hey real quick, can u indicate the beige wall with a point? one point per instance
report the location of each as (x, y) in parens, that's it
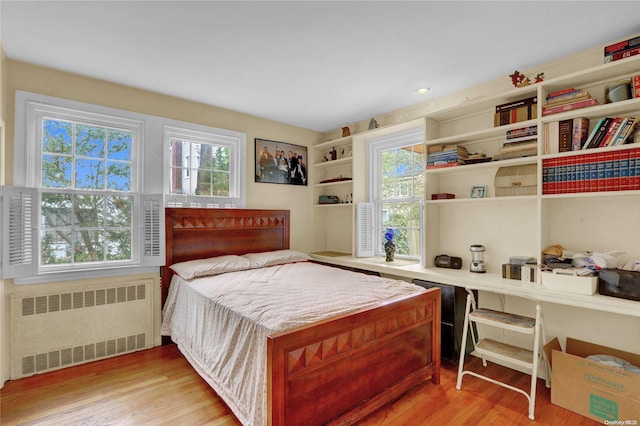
(17, 75)
(31, 78)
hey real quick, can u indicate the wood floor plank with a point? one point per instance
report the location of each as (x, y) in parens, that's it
(159, 387)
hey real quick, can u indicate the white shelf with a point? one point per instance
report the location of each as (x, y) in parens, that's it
(333, 163)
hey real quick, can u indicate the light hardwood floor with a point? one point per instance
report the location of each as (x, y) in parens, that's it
(159, 387)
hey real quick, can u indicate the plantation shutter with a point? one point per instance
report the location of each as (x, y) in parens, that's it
(153, 250)
(364, 229)
(19, 224)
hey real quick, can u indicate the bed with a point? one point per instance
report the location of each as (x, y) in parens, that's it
(319, 370)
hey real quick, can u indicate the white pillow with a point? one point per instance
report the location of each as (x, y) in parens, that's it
(211, 266)
(277, 257)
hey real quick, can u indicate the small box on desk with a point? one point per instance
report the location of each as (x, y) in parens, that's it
(569, 282)
(511, 272)
(593, 389)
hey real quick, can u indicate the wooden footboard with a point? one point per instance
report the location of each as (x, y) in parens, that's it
(344, 368)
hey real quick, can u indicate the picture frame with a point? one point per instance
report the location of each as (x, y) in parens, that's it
(281, 162)
(478, 191)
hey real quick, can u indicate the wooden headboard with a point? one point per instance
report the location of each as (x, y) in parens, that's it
(193, 233)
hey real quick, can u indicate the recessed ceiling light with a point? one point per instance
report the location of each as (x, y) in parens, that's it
(421, 90)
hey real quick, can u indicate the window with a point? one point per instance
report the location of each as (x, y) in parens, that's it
(205, 167)
(93, 182)
(397, 190)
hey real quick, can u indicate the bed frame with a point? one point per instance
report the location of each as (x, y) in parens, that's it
(335, 371)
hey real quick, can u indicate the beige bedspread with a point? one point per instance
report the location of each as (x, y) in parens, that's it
(221, 322)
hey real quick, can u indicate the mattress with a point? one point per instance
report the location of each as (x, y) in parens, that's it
(221, 323)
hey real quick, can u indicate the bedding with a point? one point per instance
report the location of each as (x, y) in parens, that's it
(221, 322)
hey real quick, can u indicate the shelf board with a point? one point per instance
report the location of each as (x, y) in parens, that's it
(341, 182)
(601, 194)
(481, 135)
(338, 162)
(482, 200)
(333, 206)
(472, 168)
(628, 107)
(483, 103)
(594, 75)
(335, 142)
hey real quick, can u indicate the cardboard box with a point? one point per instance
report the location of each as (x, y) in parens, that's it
(516, 180)
(592, 389)
(562, 280)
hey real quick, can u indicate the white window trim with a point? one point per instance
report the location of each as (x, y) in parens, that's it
(374, 148)
(149, 180)
(237, 144)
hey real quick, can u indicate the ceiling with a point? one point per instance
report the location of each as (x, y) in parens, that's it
(319, 65)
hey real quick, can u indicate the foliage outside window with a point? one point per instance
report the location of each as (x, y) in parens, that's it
(87, 202)
(396, 189)
(400, 202)
(199, 168)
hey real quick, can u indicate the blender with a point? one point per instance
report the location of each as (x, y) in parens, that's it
(477, 262)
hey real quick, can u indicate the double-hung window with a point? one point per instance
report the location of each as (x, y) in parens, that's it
(396, 190)
(205, 167)
(83, 165)
(90, 184)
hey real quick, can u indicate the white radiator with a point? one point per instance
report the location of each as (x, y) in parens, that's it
(57, 329)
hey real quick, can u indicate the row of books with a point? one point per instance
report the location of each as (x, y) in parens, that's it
(622, 50)
(566, 100)
(617, 170)
(565, 135)
(445, 156)
(612, 131)
(516, 111)
(522, 142)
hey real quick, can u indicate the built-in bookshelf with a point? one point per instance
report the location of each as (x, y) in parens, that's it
(517, 225)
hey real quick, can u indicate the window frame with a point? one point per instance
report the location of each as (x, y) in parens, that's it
(149, 181)
(375, 147)
(235, 141)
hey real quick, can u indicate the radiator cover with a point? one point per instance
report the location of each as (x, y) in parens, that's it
(64, 327)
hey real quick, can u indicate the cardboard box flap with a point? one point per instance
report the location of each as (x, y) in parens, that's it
(553, 345)
(585, 349)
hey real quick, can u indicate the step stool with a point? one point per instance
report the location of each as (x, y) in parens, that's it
(524, 358)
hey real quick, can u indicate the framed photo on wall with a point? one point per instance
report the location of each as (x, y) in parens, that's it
(281, 162)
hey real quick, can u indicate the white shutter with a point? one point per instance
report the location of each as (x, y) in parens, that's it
(152, 240)
(19, 223)
(364, 229)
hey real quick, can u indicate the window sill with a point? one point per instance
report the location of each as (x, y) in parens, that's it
(51, 277)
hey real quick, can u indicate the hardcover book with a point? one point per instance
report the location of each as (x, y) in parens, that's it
(580, 132)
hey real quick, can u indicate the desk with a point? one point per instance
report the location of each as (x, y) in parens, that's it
(485, 282)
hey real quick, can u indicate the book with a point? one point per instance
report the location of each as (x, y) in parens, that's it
(602, 131)
(517, 104)
(587, 143)
(611, 130)
(525, 146)
(622, 55)
(568, 107)
(635, 86)
(565, 130)
(551, 137)
(579, 133)
(568, 98)
(525, 131)
(513, 141)
(561, 92)
(515, 115)
(627, 130)
(622, 45)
